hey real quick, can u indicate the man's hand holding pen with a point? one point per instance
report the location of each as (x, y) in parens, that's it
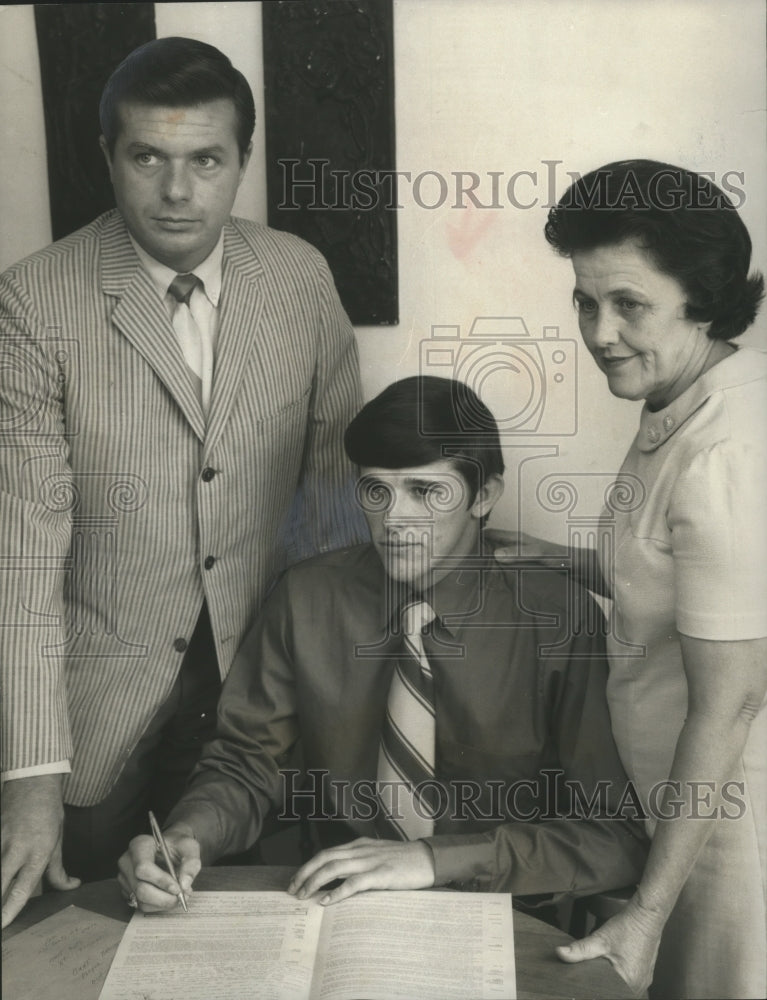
(150, 886)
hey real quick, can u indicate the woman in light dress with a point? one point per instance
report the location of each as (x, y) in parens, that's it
(662, 289)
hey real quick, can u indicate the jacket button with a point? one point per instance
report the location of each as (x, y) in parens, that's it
(209, 561)
(180, 645)
(208, 474)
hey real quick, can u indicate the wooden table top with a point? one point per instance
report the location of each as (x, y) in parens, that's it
(540, 974)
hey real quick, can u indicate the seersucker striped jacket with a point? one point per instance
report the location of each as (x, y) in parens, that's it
(114, 496)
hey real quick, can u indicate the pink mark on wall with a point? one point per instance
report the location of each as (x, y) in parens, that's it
(465, 235)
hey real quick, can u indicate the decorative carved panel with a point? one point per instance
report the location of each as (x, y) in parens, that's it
(80, 45)
(329, 80)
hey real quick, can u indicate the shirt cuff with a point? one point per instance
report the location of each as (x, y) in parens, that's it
(464, 860)
(205, 822)
(54, 767)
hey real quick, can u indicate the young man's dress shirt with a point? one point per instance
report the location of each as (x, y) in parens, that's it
(318, 664)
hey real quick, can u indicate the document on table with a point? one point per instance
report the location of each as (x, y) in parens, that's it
(424, 945)
(226, 944)
(380, 945)
(64, 957)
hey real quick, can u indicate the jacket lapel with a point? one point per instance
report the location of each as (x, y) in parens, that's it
(242, 302)
(140, 316)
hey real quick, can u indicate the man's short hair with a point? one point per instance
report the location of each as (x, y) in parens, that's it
(424, 419)
(177, 73)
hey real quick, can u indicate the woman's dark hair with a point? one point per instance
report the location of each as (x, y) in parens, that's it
(687, 225)
(177, 73)
(424, 419)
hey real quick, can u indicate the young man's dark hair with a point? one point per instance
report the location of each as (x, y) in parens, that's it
(424, 419)
(176, 73)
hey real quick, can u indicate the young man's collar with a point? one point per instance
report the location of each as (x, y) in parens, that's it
(454, 597)
(209, 271)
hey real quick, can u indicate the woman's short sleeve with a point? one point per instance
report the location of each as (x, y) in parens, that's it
(718, 527)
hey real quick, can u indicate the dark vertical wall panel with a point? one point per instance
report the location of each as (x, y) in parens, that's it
(80, 45)
(329, 79)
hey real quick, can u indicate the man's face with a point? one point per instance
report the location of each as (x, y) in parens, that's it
(421, 519)
(175, 173)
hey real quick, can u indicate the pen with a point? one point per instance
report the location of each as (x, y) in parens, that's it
(162, 847)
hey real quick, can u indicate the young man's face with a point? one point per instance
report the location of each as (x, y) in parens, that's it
(175, 173)
(421, 519)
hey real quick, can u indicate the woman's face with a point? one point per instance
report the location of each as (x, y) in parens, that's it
(632, 319)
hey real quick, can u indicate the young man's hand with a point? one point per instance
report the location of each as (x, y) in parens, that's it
(148, 886)
(365, 864)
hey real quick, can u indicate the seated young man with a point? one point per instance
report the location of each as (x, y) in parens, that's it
(452, 714)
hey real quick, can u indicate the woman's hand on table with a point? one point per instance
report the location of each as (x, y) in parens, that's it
(365, 864)
(148, 886)
(629, 941)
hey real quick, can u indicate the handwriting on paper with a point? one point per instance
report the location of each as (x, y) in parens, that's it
(65, 957)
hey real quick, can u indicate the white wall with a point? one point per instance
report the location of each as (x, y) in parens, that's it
(235, 28)
(490, 86)
(25, 222)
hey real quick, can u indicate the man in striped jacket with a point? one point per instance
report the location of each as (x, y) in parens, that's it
(175, 385)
